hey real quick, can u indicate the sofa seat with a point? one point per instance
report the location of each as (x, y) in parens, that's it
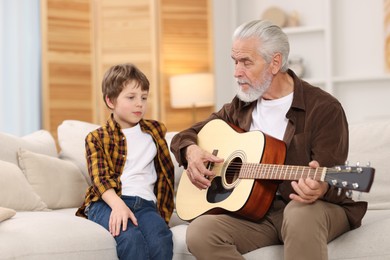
(358, 244)
(56, 234)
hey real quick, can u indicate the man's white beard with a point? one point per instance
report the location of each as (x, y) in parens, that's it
(254, 92)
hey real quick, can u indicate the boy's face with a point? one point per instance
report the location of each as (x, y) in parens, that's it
(130, 106)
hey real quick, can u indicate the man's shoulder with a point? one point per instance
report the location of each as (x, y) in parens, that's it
(316, 94)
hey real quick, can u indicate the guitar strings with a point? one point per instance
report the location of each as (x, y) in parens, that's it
(268, 172)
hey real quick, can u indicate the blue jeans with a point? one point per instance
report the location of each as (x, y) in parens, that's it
(151, 239)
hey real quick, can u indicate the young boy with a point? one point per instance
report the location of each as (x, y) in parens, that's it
(131, 170)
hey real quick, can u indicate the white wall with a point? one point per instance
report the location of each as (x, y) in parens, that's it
(359, 36)
(224, 13)
(353, 49)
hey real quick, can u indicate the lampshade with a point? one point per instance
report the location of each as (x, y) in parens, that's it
(192, 90)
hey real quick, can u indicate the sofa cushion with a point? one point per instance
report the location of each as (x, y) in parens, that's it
(15, 192)
(370, 241)
(370, 142)
(71, 139)
(40, 142)
(59, 183)
(6, 213)
(54, 235)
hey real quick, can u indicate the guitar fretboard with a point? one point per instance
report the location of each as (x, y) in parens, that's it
(280, 172)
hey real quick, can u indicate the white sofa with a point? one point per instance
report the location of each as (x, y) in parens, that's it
(42, 188)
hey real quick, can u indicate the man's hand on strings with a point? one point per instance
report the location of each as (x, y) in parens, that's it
(197, 172)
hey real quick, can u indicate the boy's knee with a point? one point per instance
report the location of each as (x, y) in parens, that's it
(162, 247)
(129, 242)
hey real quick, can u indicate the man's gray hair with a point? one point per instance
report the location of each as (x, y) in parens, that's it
(271, 37)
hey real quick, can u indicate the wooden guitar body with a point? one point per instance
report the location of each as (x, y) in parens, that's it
(249, 198)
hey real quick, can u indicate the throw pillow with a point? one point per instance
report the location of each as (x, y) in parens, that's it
(40, 142)
(370, 142)
(71, 139)
(15, 192)
(59, 183)
(6, 213)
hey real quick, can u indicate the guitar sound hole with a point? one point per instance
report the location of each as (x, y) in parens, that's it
(222, 186)
(216, 192)
(233, 170)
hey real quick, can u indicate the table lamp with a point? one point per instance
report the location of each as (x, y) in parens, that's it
(192, 91)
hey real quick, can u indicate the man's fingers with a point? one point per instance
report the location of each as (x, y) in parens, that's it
(198, 180)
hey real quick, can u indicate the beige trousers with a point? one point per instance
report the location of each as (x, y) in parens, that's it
(304, 229)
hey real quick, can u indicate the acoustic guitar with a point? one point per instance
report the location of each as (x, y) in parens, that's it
(246, 182)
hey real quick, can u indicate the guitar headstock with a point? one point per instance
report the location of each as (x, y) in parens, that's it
(351, 177)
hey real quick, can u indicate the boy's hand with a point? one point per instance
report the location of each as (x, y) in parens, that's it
(120, 215)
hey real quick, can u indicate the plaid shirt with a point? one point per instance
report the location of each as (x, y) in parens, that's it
(106, 153)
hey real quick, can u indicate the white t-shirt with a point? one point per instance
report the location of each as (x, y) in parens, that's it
(269, 116)
(139, 174)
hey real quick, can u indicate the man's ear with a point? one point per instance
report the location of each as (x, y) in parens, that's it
(276, 63)
(110, 104)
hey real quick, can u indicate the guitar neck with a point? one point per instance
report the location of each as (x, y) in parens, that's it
(280, 172)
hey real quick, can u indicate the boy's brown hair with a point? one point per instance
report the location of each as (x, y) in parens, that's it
(118, 76)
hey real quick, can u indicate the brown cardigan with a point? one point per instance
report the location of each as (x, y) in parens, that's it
(317, 130)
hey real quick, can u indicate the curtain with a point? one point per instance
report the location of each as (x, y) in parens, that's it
(20, 54)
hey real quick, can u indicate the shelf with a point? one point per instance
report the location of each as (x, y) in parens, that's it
(383, 77)
(315, 81)
(303, 29)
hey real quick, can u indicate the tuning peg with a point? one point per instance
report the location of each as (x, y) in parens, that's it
(348, 193)
(357, 164)
(346, 163)
(368, 164)
(338, 191)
